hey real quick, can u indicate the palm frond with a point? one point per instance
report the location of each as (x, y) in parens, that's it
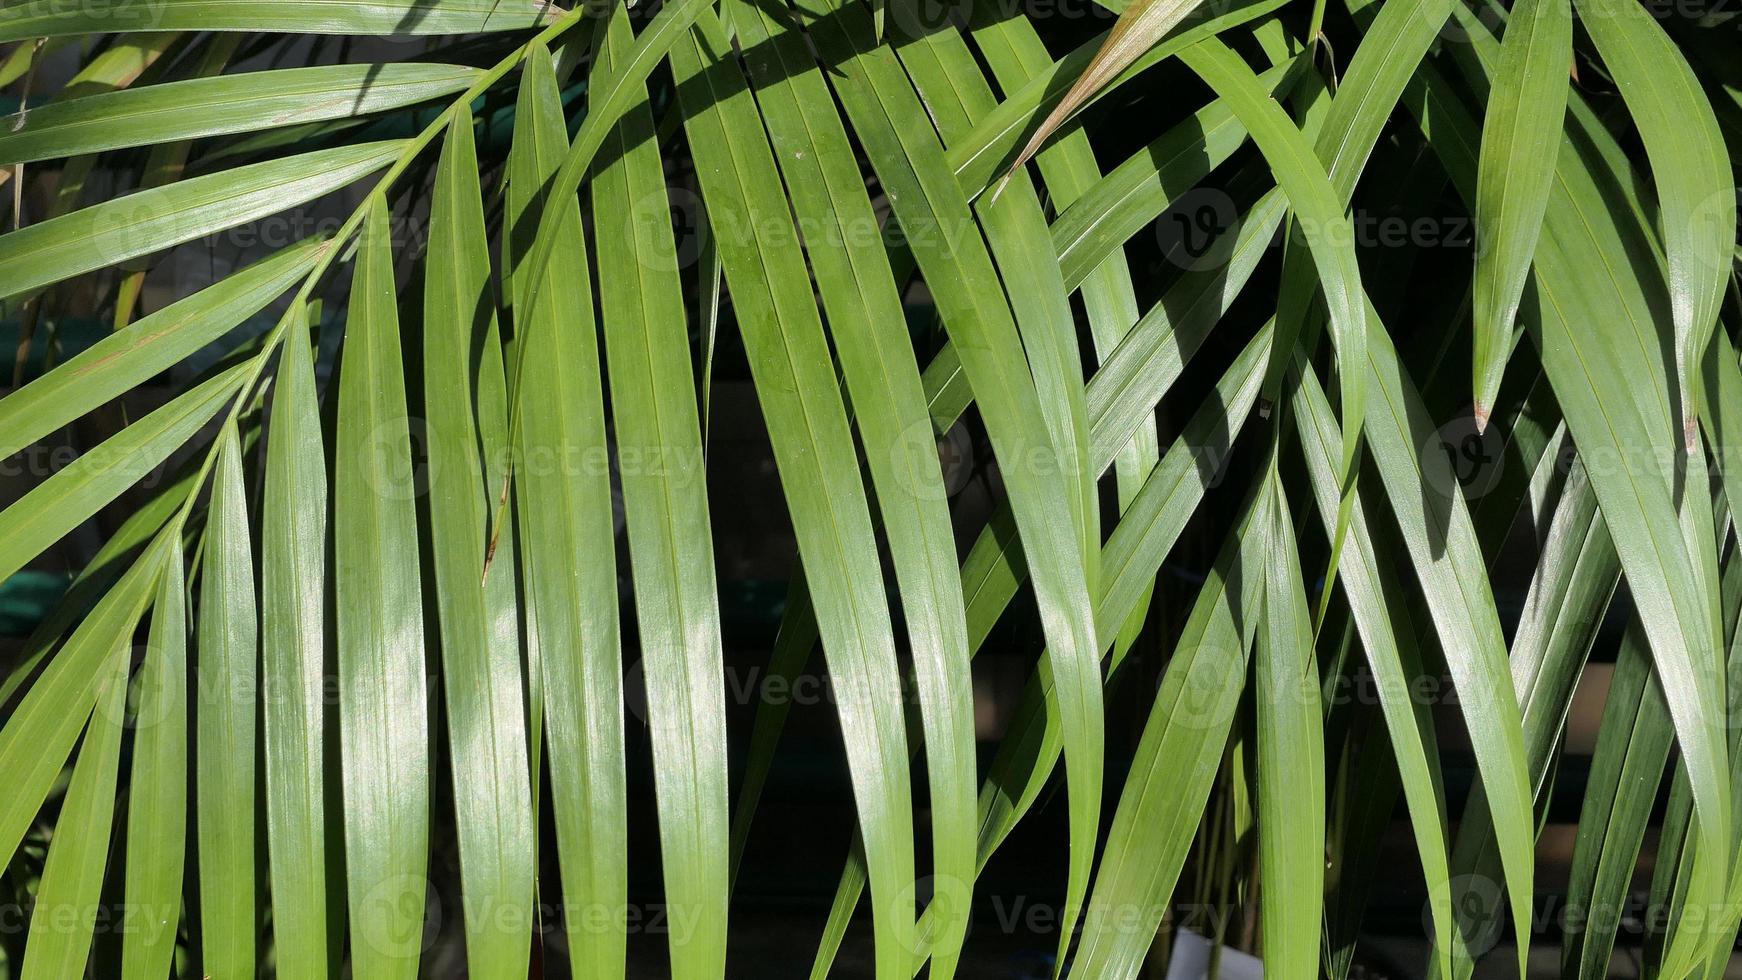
(1107, 420)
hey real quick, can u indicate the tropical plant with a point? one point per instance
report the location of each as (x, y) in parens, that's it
(426, 480)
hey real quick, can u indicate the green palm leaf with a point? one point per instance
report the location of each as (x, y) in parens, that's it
(51, 18)
(882, 378)
(568, 521)
(222, 105)
(157, 790)
(72, 876)
(1291, 828)
(874, 91)
(226, 720)
(666, 512)
(1520, 139)
(480, 667)
(1604, 417)
(40, 734)
(146, 347)
(1171, 773)
(1695, 187)
(69, 497)
(139, 224)
(784, 342)
(384, 725)
(293, 578)
(1004, 430)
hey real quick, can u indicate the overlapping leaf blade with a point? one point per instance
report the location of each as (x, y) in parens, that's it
(226, 718)
(567, 514)
(138, 224)
(383, 718)
(52, 18)
(72, 875)
(1319, 216)
(1696, 188)
(480, 667)
(70, 496)
(293, 637)
(916, 123)
(806, 419)
(1612, 386)
(1521, 136)
(877, 95)
(147, 346)
(40, 734)
(882, 376)
(664, 501)
(1140, 26)
(221, 105)
(1291, 779)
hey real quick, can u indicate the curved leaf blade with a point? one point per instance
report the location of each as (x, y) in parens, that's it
(865, 318)
(878, 96)
(383, 718)
(1139, 27)
(72, 876)
(568, 521)
(1320, 216)
(293, 635)
(1291, 767)
(481, 681)
(1690, 166)
(225, 715)
(157, 787)
(222, 105)
(65, 500)
(54, 18)
(1521, 138)
(38, 738)
(806, 418)
(151, 344)
(147, 221)
(665, 506)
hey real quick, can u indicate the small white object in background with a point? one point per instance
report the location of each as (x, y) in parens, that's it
(1191, 960)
